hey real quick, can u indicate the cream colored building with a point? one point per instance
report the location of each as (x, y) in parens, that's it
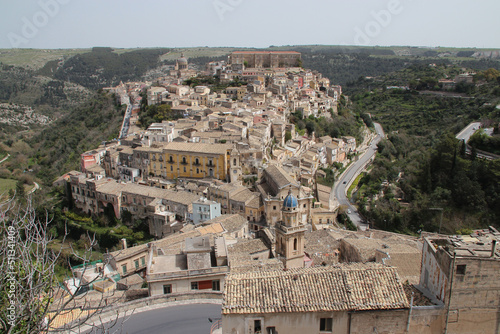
(188, 269)
(333, 299)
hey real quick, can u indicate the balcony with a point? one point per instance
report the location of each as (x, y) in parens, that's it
(286, 229)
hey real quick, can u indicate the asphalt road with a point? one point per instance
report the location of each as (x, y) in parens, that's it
(340, 188)
(126, 121)
(468, 131)
(181, 319)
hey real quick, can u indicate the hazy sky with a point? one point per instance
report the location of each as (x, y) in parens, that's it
(248, 23)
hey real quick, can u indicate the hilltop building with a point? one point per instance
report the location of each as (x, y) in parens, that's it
(258, 59)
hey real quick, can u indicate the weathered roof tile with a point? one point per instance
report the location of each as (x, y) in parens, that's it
(319, 289)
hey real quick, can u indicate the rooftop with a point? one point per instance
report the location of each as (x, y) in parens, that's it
(198, 148)
(231, 222)
(319, 289)
(279, 176)
(322, 247)
(479, 244)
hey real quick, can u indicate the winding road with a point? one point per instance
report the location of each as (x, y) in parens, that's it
(176, 319)
(347, 178)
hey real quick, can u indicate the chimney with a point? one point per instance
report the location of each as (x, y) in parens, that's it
(493, 248)
(124, 243)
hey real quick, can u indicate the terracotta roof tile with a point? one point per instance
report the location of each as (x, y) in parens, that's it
(319, 289)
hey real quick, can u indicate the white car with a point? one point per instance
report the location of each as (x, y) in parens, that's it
(348, 211)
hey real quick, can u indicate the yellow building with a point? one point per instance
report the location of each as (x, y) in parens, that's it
(191, 160)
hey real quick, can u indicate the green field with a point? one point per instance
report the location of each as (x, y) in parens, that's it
(35, 58)
(197, 52)
(6, 185)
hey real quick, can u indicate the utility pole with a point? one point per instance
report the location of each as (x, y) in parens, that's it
(441, 220)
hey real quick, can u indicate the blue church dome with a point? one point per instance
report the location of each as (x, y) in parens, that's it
(290, 201)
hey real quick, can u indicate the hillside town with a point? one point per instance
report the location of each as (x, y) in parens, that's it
(230, 195)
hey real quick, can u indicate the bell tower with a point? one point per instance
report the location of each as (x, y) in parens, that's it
(290, 233)
(234, 166)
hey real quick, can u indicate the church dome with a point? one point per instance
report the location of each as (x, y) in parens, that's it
(290, 201)
(182, 61)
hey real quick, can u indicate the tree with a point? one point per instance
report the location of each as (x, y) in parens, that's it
(31, 298)
(20, 193)
(288, 136)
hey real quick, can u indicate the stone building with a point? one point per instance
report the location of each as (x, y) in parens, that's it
(186, 160)
(290, 233)
(275, 185)
(188, 268)
(258, 59)
(333, 299)
(463, 272)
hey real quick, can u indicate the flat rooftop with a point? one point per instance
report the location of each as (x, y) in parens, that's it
(483, 243)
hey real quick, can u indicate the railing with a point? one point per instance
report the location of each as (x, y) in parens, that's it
(216, 325)
(116, 308)
(186, 273)
(291, 229)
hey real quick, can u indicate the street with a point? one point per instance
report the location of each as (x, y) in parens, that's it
(180, 319)
(341, 186)
(468, 131)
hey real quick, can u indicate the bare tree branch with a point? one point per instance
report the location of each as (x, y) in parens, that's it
(32, 300)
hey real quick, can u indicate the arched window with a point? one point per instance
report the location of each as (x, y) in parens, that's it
(295, 244)
(234, 162)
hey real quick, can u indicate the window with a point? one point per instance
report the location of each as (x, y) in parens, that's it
(143, 260)
(274, 207)
(194, 285)
(171, 159)
(325, 325)
(216, 285)
(295, 244)
(234, 162)
(197, 170)
(197, 161)
(124, 268)
(136, 263)
(184, 169)
(257, 326)
(183, 160)
(171, 168)
(461, 269)
(304, 205)
(271, 330)
(167, 288)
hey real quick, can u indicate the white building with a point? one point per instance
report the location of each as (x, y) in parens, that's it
(204, 209)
